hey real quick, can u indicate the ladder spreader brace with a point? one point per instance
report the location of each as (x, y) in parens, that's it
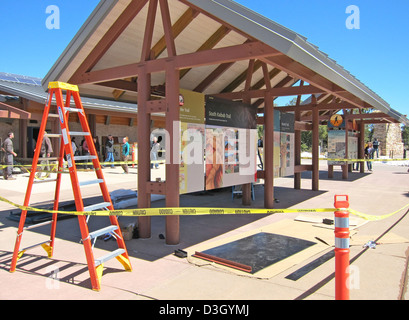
(95, 265)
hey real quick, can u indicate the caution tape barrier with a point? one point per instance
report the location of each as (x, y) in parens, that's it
(196, 211)
(77, 164)
(163, 162)
(356, 160)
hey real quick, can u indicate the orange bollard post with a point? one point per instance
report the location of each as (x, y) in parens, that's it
(341, 204)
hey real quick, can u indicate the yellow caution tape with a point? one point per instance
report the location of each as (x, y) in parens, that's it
(356, 160)
(169, 211)
(129, 162)
(373, 217)
(198, 211)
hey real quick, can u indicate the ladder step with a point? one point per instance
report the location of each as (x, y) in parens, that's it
(73, 109)
(102, 231)
(79, 133)
(53, 135)
(44, 180)
(35, 245)
(53, 115)
(109, 256)
(38, 225)
(97, 206)
(84, 157)
(86, 183)
(47, 159)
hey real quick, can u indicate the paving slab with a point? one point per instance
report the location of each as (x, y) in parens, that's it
(380, 273)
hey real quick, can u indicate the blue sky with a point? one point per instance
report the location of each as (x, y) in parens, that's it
(377, 53)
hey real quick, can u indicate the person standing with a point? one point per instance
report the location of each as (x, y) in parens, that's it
(45, 152)
(154, 152)
(97, 146)
(369, 151)
(125, 154)
(74, 147)
(109, 150)
(10, 154)
(85, 152)
(376, 147)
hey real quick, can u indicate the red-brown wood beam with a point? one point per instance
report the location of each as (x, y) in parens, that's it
(144, 173)
(315, 147)
(246, 199)
(188, 16)
(13, 112)
(268, 142)
(120, 85)
(259, 84)
(108, 39)
(302, 168)
(269, 151)
(213, 76)
(301, 125)
(309, 107)
(296, 69)
(172, 152)
(253, 50)
(365, 116)
(297, 142)
(361, 146)
(167, 27)
(160, 46)
(242, 77)
(286, 82)
(149, 27)
(210, 44)
(276, 92)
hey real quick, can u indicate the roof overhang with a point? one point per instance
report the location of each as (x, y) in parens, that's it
(9, 112)
(221, 48)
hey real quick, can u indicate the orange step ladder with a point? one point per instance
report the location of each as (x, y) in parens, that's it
(95, 265)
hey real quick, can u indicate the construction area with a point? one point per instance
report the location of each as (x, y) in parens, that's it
(380, 271)
(210, 197)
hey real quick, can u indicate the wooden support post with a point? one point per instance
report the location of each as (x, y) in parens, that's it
(172, 152)
(361, 146)
(345, 166)
(297, 152)
(297, 143)
(246, 188)
(330, 171)
(144, 171)
(315, 146)
(268, 151)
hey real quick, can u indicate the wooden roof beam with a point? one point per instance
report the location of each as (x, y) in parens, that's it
(7, 111)
(251, 50)
(109, 38)
(276, 92)
(298, 70)
(214, 39)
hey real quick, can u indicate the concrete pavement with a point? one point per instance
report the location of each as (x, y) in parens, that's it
(379, 273)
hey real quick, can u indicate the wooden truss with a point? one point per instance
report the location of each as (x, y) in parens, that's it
(326, 98)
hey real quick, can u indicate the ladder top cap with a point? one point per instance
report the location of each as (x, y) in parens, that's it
(62, 85)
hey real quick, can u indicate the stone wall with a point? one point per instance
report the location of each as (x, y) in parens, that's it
(390, 138)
